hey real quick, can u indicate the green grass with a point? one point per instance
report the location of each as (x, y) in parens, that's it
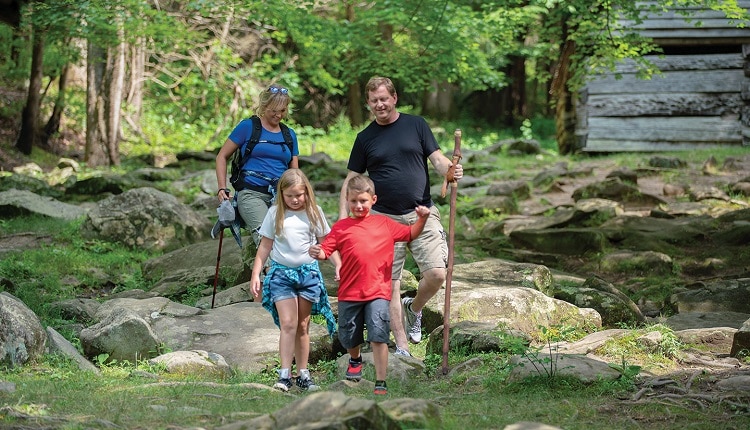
(55, 392)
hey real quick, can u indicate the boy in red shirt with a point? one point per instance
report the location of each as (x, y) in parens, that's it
(365, 243)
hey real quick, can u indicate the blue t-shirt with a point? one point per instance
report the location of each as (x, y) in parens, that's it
(270, 157)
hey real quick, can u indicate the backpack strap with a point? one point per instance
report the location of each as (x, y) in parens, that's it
(254, 139)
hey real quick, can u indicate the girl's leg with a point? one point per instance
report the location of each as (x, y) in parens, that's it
(287, 310)
(302, 339)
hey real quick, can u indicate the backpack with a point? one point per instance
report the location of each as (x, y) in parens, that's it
(238, 160)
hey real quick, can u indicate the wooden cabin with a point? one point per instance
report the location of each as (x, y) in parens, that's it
(701, 99)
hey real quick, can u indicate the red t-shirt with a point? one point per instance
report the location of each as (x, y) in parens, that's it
(366, 248)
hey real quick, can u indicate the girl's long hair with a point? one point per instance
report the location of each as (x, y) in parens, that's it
(290, 178)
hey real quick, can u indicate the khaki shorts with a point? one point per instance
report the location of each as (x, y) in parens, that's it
(429, 249)
(253, 206)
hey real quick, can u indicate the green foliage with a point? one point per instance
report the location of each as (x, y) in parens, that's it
(669, 346)
(72, 267)
(628, 371)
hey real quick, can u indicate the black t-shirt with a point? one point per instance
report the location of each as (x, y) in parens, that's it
(395, 158)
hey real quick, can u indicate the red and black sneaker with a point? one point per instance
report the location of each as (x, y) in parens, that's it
(354, 371)
(380, 388)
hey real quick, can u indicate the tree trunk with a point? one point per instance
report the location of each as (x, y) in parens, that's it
(104, 91)
(27, 137)
(53, 124)
(114, 100)
(354, 93)
(94, 154)
(134, 98)
(565, 118)
(354, 98)
(439, 103)
(517, 74)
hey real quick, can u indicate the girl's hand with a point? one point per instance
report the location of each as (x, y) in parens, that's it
(255, 286)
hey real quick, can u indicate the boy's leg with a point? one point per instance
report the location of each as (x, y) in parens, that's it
(380, 356)
(351, 335)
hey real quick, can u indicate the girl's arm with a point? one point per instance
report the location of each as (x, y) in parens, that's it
(264, 250)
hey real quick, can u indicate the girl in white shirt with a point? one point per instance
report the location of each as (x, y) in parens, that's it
(293, 287)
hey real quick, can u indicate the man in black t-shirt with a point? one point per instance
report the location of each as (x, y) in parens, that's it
(394, 150)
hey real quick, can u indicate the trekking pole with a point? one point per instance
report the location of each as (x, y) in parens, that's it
(449, 178)
(218, 259)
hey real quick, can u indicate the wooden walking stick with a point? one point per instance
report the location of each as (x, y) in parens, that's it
(449, 178)
(218, 259)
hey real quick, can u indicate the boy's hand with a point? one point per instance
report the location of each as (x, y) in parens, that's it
(422, 211)
(314, 251)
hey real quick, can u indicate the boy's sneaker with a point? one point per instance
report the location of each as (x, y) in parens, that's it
(354, 371)
(307, 384)
(402, 351)
(380, 388)
(283, 384)
(413, 324)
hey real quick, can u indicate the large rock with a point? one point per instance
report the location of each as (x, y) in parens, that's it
(15, 203)
(22, 337)
(335, 410)
(721, 296)
(243, 333)
(741, 341)
(146, 218)
(121, 336)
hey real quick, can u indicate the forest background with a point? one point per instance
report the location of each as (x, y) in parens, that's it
(112, 79)
(106, 82)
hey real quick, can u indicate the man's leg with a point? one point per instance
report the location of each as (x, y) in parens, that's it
(397, 319)
(430, 251)
(431, 282)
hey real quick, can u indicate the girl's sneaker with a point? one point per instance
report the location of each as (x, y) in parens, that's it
(283, 384)
(307, 384)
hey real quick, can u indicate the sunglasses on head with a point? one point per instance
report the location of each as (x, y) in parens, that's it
(276, 90)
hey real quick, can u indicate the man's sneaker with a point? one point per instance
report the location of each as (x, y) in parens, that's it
(354, 371)
(402, 351)
(307, 384)
(283, 384)
(380, 388)
(413, 324)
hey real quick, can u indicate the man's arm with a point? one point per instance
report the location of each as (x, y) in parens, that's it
(441, 163)
(343, 205)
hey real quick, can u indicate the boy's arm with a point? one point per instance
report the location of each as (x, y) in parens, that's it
(336, 260)
(316, 252)
(416, 229)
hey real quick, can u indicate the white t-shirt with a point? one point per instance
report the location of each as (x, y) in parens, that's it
(290, 249)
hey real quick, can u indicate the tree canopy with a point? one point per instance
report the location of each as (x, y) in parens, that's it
(191, 68)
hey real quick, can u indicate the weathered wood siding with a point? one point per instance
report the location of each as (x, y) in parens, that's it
(700, 100)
